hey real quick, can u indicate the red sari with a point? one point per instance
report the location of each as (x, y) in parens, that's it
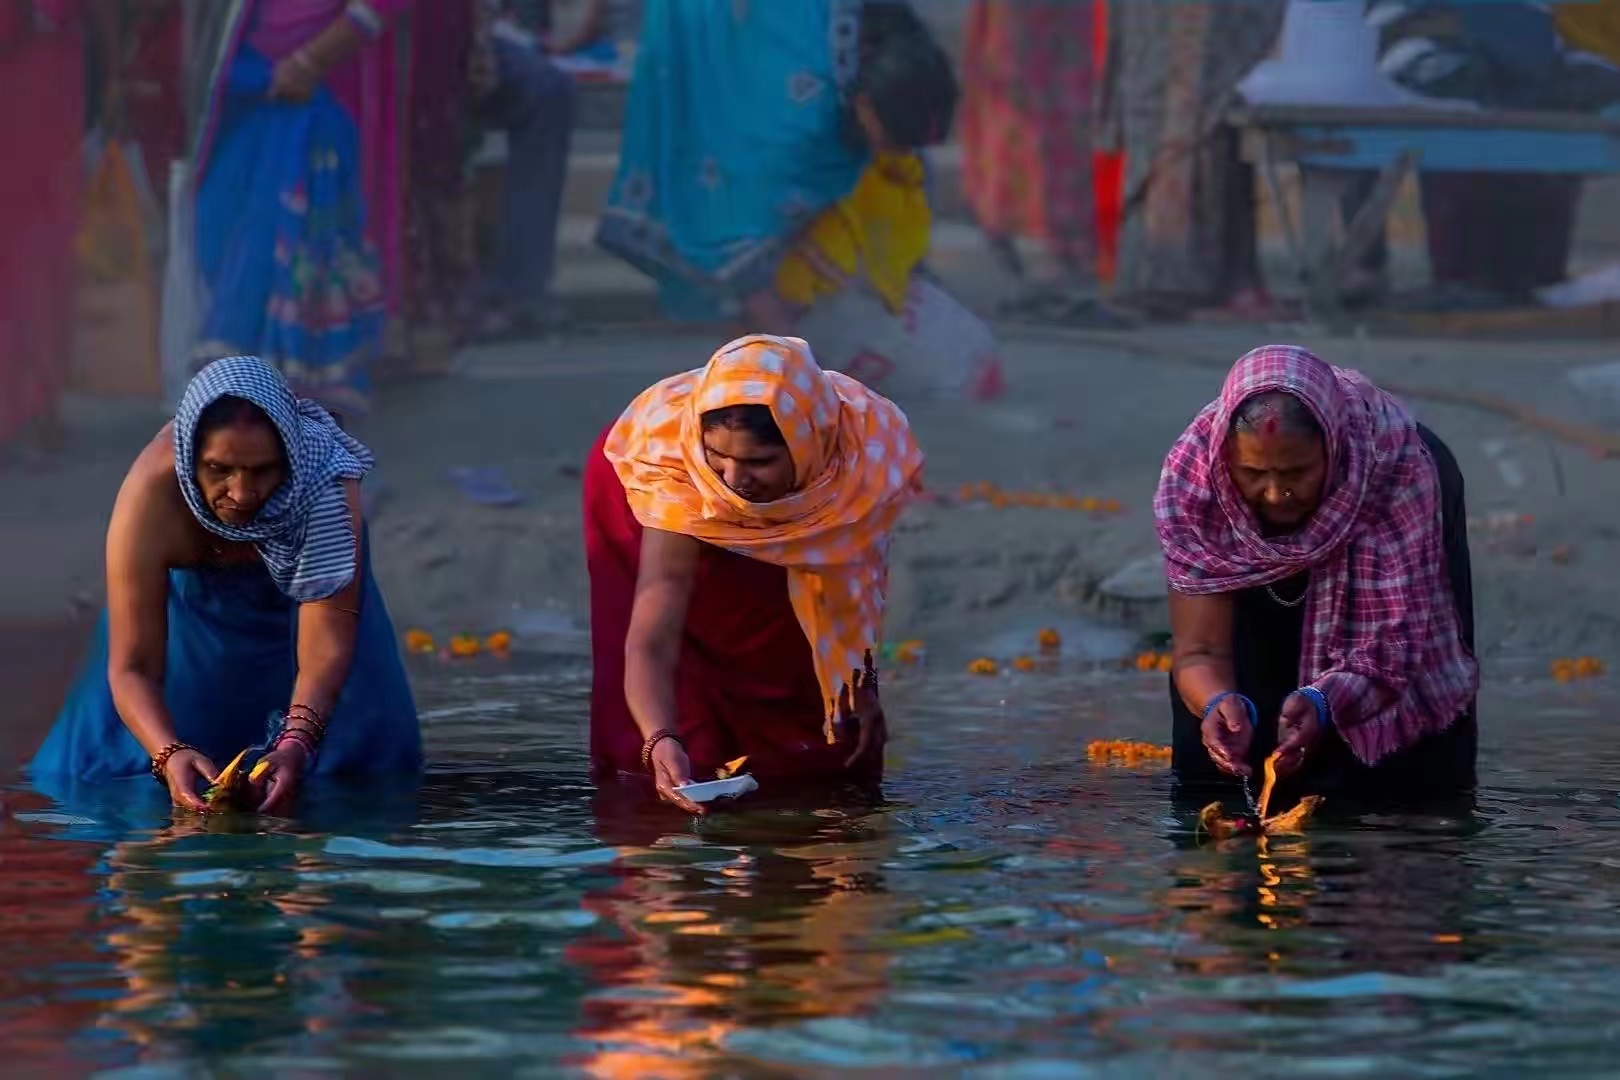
(745, 682)
(42, 64)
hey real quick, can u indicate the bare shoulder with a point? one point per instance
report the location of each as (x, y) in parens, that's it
(149, 507)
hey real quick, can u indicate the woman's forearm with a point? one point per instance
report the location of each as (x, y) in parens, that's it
(325, 654)
(139, 700)
(1200, 677)
(649, 687)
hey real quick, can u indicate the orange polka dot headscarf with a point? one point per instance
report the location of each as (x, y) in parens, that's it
(855, 466)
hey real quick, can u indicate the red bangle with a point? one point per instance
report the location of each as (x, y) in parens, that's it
(652, 742)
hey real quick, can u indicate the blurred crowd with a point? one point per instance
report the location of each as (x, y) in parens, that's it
(301, 179)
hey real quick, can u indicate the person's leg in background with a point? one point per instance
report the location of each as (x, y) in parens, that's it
(533, 101)
(1531, 233)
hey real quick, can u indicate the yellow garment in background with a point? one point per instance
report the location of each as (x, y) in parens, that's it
(879, 230)
(1591, 26)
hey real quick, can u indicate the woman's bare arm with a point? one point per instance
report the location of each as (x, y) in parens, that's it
(327, 630)
(1201, 637)
(138, 550)
(657, 619)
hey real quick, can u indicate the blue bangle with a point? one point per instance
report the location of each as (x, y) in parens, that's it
(1324, 715)
(1248, 706)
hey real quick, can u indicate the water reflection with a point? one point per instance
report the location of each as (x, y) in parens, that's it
(767, 918)
(1006, 904)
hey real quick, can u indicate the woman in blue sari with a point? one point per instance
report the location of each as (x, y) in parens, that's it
(241, 609)
(759, 131)
(298, 175)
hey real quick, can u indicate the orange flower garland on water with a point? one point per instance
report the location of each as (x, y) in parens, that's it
(1570, 669)
(1153, 661)
(1126, 752)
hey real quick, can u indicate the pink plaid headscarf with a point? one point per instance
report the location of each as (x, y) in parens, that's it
(1388, 653)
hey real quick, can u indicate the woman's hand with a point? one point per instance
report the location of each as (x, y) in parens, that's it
(860, 708)
(1298, 728)
(296, 78)
(1227, 734)
(670, 770)
(284, 776)
(183, 772)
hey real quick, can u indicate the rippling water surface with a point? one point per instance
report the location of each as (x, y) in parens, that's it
(1008, 910)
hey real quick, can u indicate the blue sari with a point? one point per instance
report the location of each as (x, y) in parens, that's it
(281, 247)
(231, 664)
(733, 141)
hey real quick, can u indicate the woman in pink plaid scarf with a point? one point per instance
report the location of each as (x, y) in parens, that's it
(1321, 600)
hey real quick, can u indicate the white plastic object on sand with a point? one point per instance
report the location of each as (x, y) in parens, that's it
(710, 790)
(934, 348)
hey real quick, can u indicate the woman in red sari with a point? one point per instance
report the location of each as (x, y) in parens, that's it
(737, 525)
(42, 64)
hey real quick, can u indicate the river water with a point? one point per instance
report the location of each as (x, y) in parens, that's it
(1009, 909)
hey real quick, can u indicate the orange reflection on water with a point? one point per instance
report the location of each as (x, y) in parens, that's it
(686, 956)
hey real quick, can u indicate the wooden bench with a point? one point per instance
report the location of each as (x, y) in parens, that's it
(1331, 145)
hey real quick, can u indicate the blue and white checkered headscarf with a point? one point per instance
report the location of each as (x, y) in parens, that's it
(303, 532)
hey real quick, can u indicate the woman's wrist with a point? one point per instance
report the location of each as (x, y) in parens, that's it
(1248, 706)
(161, 759)
(654, 741)
(1324, 712)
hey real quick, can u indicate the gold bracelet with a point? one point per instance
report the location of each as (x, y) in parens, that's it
(160, 760)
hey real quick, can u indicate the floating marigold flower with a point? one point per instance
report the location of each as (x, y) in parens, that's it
(1563, 670)
(1090, 504)
(1587, 667)
(499, 642)
(418, 641)
(984, 666)
(909, 652)
(1126, 752)
(1024, 663)
(464, 645)
(1165, 662)
(1146, 661)
(1048, 638)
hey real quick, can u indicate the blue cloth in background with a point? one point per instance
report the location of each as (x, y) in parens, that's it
(733, 141)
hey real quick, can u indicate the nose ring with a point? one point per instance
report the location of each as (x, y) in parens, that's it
(1288, 493)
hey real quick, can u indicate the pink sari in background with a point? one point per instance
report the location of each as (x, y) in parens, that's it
(369, 83)
(42, 64)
